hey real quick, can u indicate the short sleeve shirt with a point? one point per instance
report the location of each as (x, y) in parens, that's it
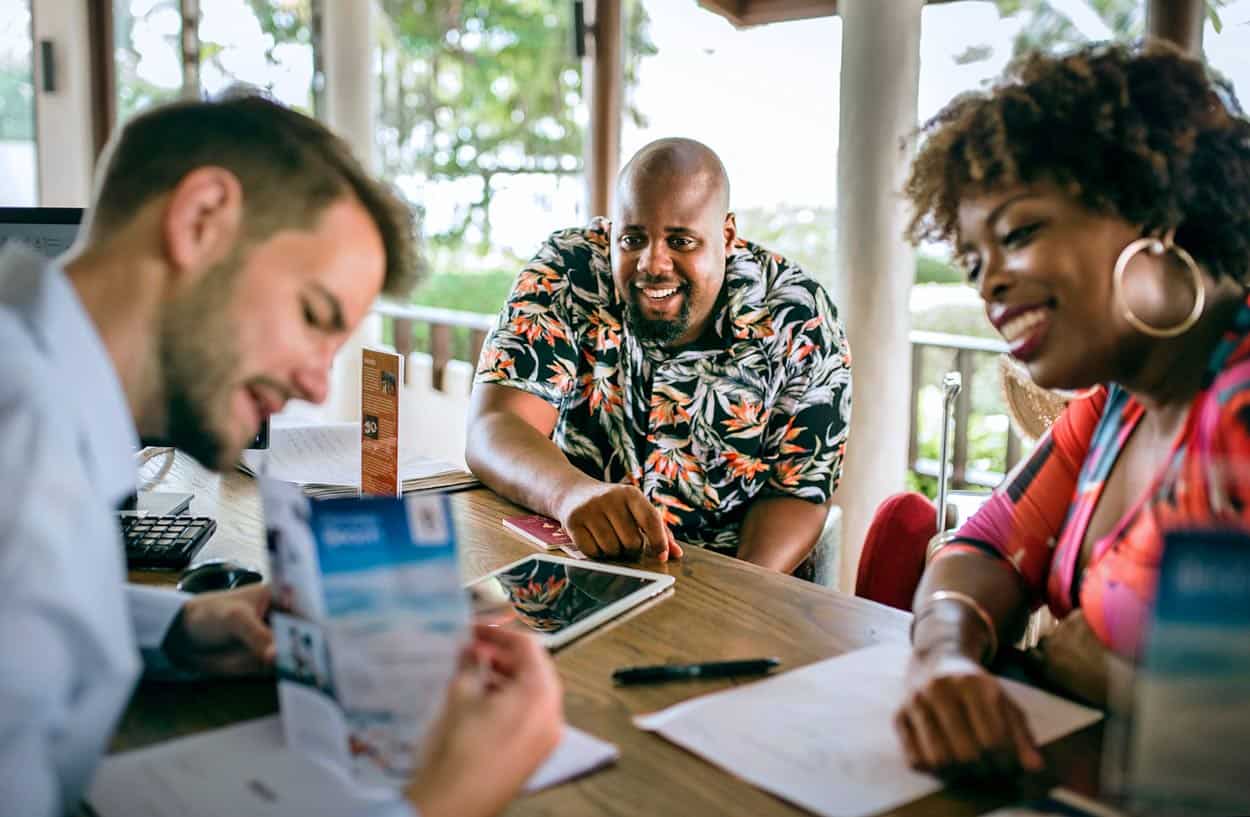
(760, 410)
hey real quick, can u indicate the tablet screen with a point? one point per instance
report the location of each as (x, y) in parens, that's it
(549, 597)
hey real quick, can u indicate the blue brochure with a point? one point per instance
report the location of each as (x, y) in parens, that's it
(1185, 746)
(371, 617)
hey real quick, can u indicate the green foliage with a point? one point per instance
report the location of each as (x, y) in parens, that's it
(930, 270)
(1050, 29)
(477, 89)
(133, 93)
(17, 109)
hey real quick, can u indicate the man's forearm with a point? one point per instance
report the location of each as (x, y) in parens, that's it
(516, 461)
(779, 532)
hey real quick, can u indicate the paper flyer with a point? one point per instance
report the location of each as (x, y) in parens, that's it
(370, 621)
(381, 374)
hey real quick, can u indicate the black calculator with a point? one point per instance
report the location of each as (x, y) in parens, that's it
(165, 542)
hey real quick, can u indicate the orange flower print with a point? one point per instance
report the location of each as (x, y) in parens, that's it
(563, 376)
(600, 389)
(668, 406)
(746, 420)
(496, 365)
(755, 324)
(671, 460)
(791, 433)
(744, 466)
(787, 473)
(669, 504)
(605, 330)
(537, 278)
(534, 322)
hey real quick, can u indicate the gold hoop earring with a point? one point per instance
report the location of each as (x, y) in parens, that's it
(1158, 247)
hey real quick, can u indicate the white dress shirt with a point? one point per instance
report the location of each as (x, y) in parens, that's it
(71, 630)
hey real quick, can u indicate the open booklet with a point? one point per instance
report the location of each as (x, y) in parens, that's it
(370, 619)
(325, 461)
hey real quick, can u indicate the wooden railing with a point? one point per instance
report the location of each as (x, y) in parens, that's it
(443, 324)
(968, 353)
(448, 329)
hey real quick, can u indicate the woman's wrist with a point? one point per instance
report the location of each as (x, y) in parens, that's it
(947, 626)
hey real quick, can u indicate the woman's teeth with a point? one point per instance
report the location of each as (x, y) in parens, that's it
(1021, 325)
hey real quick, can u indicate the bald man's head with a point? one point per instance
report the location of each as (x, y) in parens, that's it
(671, 233)
(685, 161)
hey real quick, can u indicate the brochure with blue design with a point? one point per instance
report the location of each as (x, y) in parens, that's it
(370, 621)
(1183, 750)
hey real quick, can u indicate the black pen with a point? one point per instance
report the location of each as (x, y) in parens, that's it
(680, 672)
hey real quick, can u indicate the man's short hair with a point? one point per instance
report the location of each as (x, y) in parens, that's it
(290, 167)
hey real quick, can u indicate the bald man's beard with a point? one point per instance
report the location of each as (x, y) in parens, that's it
(656, 330)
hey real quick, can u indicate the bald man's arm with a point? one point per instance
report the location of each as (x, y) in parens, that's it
(780, 531)
(510, 449)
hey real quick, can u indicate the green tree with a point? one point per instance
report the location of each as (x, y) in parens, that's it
(1055, 25)
(475, 90)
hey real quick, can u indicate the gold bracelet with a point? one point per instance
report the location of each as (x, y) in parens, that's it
(968, 601)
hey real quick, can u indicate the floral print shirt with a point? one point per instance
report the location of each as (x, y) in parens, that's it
(762, 410)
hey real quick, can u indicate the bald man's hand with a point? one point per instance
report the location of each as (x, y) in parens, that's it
(612, 521)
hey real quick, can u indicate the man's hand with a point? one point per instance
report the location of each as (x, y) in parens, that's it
(223, 633)
(503, 716)
(612, 521)
(958, 721)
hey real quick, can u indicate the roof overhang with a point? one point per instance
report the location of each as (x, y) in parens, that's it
(746, 13)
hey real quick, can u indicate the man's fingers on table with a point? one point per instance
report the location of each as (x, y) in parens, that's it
(585, 541)
(647, 518)
(626, 530)
(605, 537)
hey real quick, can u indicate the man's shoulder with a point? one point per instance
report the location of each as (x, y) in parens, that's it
(578, 246)
(789, 293)
(576, 261)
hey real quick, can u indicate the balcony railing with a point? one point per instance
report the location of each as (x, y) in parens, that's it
(448, 335)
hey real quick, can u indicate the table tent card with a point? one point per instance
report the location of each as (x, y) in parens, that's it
(369, 623)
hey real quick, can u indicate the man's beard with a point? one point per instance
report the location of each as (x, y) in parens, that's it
(657, 330)
(198, 363)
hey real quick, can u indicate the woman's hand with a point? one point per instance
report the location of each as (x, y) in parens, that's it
(957, 721)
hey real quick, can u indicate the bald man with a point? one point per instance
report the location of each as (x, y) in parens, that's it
(657, 380)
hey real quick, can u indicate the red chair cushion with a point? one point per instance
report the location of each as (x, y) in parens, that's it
(893, 556)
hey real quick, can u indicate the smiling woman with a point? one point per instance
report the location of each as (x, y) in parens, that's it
(1100, 202)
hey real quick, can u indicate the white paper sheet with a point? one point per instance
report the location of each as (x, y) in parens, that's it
(247, 769)
(327, 455)
(822, 736)
(325, 460)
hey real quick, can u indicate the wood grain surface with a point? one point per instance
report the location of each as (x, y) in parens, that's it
(719, 608)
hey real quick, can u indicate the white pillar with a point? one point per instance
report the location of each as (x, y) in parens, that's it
(879, 86)
(347, 57)
(66, 153)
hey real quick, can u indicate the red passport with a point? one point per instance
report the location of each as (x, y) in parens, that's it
(541, 531)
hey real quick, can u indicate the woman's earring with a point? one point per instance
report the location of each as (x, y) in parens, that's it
(1158, 247)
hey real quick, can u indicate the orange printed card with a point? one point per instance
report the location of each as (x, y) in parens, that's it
(381, 374)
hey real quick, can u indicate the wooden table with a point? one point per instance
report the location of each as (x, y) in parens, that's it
(720, 608)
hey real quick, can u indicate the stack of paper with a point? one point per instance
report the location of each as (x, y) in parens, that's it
(823, 737)
(325, 461)
(246, 769)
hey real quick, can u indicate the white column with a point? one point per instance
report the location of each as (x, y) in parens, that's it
(63, 115)
(347, 57)
(880, 75)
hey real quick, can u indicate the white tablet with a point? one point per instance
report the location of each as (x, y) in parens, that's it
(560, 599)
